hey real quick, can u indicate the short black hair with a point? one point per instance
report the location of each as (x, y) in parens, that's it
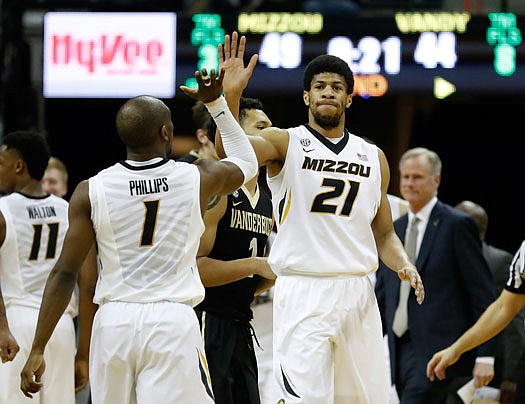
(247, 104)
(203, 120)
(328, 64)
(140, 119)
(33, 148)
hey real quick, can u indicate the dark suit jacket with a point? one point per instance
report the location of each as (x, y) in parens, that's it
(458, 288)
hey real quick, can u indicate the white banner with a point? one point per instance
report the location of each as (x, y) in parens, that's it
(109, 54)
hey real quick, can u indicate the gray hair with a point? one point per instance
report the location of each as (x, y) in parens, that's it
(432, 158)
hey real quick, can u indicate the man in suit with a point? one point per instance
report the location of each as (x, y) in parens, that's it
(513, 336)
(446, 248)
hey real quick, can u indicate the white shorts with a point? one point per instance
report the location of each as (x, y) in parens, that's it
(328, 342)
(59, 377)
(148, 353)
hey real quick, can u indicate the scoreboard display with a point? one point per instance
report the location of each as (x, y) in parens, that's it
(439, 53)
(119, 54)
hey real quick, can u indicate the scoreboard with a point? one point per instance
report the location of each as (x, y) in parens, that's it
(438, 53)
(119, 54)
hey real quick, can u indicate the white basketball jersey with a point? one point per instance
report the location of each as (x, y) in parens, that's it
(35, 230)
(148, 224)
(325, 199)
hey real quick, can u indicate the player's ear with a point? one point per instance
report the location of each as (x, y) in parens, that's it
(202, 136)
(165, 133)
(349, 99)
(306, 98)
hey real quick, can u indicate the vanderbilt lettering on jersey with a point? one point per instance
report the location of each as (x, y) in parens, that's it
(332, 166)
(251, 221)
(149, 186)
(40, 212)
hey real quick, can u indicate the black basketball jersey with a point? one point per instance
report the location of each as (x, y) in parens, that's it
(241, 233)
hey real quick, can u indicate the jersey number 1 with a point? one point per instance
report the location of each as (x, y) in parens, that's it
(150, 221)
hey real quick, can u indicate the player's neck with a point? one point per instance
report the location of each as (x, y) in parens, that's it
(31, 188)
(335, 132)
(251, 185)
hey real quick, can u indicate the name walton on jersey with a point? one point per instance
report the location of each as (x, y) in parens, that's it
(40, 212)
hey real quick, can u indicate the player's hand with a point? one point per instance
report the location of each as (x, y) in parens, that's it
(8, 346)
(482, 374)
(264, 269)
(31, 375)
(81, 374)
(411, 275)
(210, 86)
(440, 362)
(231, 59)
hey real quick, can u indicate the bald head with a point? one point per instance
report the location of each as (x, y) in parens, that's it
(140, 121)
(477, 213)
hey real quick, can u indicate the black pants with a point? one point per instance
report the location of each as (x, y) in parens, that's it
(231, 359)
(412, 385)
(520, 378)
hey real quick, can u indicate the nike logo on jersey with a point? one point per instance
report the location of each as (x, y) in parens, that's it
(219, 114)
(237, 203)
(308, 151)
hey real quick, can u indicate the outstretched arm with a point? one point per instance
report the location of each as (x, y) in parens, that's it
(270, 144)
(236, 75)
(60, 285)
(236, 145)
(389, 246)
(491, 322)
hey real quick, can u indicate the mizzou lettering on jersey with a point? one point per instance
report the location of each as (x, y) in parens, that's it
(150, 186)
(332, 166)
(250, 221)
(40, 212)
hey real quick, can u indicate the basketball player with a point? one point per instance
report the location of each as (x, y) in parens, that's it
(237, 230)
(145, 215)
(32, 229)
(329, 193)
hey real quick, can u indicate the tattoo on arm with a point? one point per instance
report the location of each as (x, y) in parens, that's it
(213, 202)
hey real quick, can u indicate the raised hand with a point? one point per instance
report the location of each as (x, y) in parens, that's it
(210, 86)
(231, 59)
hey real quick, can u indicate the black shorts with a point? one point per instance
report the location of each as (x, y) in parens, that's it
(231, 359)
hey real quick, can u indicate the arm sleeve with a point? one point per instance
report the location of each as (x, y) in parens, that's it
(235, 142)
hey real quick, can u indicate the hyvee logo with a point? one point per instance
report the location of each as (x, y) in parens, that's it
(106, 50)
